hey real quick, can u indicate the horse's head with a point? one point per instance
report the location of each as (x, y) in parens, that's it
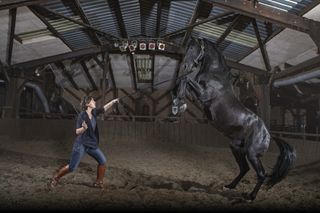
(193, 55)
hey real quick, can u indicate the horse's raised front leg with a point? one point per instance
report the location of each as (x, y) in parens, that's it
(240, 157)
(179, 94)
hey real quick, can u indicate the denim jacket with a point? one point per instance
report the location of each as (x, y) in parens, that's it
(90, 137)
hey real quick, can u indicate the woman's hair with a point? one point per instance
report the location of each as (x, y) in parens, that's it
(85, 100)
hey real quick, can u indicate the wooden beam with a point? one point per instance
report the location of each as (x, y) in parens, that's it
(276, 32)
(127, 107)
(228, 30)
(128, 95)
(115, 6)
(152, 72)
(10, 4)
(109, 36)
(23, 66)
(67, 75)
(112, 78)
(73, 94)
(246, 68)
(85, 19)
(88, 75)
(299, 68)
(100, 96)
(134, 78)
(4, 70)
(105, 70)
(163, 108)
(11, 26)
(196, 24)
(261, 45)
(37, 12)
(159, 12)
(278, 17)
(163, 95)
(192, 21)
(149, 96)
(194, 104)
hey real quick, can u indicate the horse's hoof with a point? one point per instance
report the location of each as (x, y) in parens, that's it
(227, 188)
(248, 197)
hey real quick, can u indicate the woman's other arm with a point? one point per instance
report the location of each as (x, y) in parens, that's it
(82, 129)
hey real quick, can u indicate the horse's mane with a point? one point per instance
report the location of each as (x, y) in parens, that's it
(211, 51)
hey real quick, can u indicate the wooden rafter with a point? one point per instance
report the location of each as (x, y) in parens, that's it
(37, 11)
(228, 30)
(107, 35)
(197, 23)
(12, 25)
(159, 12)
(192, 21)
(261, 45)
(85, 19)
(67, 74)
(115, 6)
(88, 75)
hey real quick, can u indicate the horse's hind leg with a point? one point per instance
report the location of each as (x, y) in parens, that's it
(240, 157)
(255, 161)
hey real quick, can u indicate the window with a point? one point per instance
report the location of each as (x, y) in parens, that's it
(144, 68)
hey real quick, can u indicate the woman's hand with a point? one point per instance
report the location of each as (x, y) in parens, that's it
(84, 125)
(82, 129)
(115, 100)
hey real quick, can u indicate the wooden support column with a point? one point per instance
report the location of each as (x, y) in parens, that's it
(12, 26)
(311, 115)
(11, 108)
(104, 77)
(264, 108)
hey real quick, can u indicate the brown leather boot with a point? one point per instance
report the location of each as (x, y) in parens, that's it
(54, 181)
(100, 175)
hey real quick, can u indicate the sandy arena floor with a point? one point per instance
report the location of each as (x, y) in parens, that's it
(144, 175)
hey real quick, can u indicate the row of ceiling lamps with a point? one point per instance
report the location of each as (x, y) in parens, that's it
(133, 45)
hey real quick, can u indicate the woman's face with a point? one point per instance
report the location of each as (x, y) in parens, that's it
(92, 104)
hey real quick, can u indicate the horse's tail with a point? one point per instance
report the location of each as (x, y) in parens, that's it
(284, 164)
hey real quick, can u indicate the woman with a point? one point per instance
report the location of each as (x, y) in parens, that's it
(87, 141)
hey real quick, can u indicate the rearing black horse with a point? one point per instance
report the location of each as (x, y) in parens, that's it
(210, 84)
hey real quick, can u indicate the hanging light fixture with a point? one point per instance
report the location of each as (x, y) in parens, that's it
(142, 45)
(124, 45)
(161, 45)
(133, 45)
(151, 45)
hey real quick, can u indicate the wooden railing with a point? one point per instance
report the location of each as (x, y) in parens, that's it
(297, 135)
(106, 117)
(39, 115)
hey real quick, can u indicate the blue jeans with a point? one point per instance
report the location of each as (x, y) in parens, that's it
(78, 152)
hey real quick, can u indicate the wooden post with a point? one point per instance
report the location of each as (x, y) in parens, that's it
(11, 108)
(104, 77)
(263, 93)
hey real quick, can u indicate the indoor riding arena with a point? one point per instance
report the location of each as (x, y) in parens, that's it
(160, 105)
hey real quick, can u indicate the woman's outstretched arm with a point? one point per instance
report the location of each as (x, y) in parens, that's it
(109, 104)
